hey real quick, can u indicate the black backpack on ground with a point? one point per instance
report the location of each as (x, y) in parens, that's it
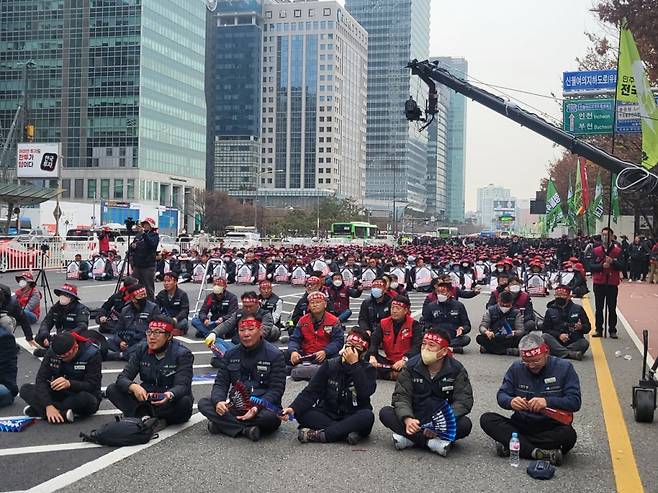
(123, 432)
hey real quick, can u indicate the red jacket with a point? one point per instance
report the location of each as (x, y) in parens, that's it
(601, 275)
(396, 347)
(23, 297)
(316, 340)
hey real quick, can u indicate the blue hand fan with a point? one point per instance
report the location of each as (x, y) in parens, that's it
(15, 424)
(264, 403)
(443, 423)
(204, 377)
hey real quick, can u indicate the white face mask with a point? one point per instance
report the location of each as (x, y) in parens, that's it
(218, 289)
(64, 300)
(441, 298)
(22, 283)
(394, 285)
(500, 269)
(504, 309)
(515, 288)
(338, 283)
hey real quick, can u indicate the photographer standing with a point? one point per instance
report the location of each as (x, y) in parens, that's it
(143, 249)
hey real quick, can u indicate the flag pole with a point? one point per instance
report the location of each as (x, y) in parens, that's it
(612, 151)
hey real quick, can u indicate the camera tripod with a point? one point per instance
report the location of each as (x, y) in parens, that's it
(45, 285)
(126, 262)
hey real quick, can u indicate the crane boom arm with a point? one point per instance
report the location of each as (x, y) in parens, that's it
(430, 73)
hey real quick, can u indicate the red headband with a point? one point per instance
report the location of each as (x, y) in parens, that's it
(378, 283)
(317, 296)
(444, 343)
(529, 353)
(250, 323)
(138, 292)
(357, 339)
(399, 303)
(249, 299)
(265, 284)
(167, 327)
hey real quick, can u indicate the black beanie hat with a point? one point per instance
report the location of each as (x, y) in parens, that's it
(62, 343)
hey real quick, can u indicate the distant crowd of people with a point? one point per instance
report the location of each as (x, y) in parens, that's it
(139, 326)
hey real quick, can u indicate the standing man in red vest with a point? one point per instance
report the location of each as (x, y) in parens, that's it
(399, 335)
(318, 336)
(605, 268)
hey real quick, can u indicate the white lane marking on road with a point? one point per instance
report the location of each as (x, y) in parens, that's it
(106, 371)
(102, 412)
(46, 448)
(110, 458)
(188, 341)
(633, 336)
(197, 382)
(201, 352)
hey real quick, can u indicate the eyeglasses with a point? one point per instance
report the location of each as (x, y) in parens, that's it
(155, 332)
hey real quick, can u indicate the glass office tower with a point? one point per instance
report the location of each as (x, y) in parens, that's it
(120, 83)
(456, 169)
(396, 163)
(233, 87)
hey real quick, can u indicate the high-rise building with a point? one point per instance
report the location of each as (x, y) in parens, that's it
(437, 150)
(396, 170)
(487, 198)
(120, 83)
(234, 41)
(313, 103)
(455, 166)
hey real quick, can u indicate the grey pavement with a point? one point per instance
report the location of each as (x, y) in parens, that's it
(193, 460)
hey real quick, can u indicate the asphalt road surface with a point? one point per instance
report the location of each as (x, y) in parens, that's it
(187, 458)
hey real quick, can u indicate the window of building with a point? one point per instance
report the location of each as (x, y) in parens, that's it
(122, 151)
(268, 14)
(66, 185)
(311, 12)
(320, 180)
(91, 189)
(328, 180)
(326, 11)
(105, 188)
(79, 188)
(122, 162)
(282, 14)
(108, 152)
(130, 188)
(118, 189)
(297, 13)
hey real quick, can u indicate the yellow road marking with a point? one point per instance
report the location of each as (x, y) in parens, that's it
(627, 476)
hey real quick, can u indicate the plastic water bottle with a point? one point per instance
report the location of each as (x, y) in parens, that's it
(514, 448)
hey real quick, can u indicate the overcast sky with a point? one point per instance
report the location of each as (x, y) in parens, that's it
(524, 44)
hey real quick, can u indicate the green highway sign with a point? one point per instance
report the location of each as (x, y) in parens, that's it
(588, 116)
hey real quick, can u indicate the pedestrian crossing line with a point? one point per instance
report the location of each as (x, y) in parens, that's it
(106, 371)
(624, 465)
(201, 352)
(110, 458)
(47, 448)
(196, 382)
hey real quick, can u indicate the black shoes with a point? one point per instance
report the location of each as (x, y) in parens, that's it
(252, 433)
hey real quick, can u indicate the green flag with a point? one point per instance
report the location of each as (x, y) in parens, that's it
(615, 199)
(571, 206)
(553, 207)
(633, 87)
(595, 210)
(578, 193)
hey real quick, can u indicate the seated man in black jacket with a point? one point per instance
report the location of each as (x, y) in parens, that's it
(260, 367)
(132, 325)
(108, 314)
(424, 384)
(8, 367)
(375, 307)
(174, 302)
(68, 382)
(450, 315)
(67, 315)
(165, 372)
(335, 405)
(565, 326)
